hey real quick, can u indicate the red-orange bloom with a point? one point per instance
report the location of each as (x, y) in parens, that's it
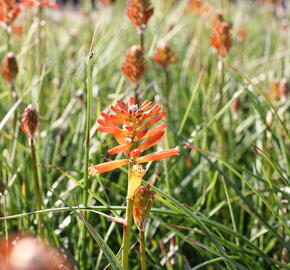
(29, 121)
(134, 64)
(221, 38)
(9, 67)
(164, 56)
(139, 12)
(131, 128)
(40, 3)
(9, 11)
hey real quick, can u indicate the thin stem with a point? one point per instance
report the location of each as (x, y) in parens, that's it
(127, 228)
(142, 250)
(87, 152)
(7, 38)
(37, 187)
(141, 35)
(39, 37)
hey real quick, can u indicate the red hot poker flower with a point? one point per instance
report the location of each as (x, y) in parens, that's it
(40, 3)
(29, 121)
(221, 38)
(131, 128)
(164, 56)
(9, 11)
(139, 13)
(134, 64)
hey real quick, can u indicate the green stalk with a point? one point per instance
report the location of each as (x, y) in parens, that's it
(37, 187)
(7, 39)
(142, 250)
(127, 228)
(87, 152)
(141, 35)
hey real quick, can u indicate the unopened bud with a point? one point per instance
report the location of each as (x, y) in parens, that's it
(142, 204)
(283, 89)
(9, 67)
(164, 55)
(29, 121)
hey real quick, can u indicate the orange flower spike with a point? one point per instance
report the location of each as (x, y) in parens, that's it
(131, 130)
(139, 13)
(107, 166)
(29, 121)
(40, 3)
(158, 155)
(221, 38)
(9, 67)
(164, 56)
(134, 65)
(9, 11)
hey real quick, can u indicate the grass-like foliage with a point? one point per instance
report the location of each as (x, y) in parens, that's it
(222, 203)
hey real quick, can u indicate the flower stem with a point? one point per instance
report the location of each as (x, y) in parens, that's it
(37, 187)
(7, 38)
(142, 250)
(87, 152)
(127, 227)
(141, 34)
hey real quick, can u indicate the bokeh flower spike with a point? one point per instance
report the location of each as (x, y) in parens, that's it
(9, 11)
(29, 121)
(132, 127)
(164, 55)
(139, 13)
(221, 38)
(40, 3)
(9, 67)
(134, 64)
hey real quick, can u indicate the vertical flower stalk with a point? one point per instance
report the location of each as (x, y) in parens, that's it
(142, 204)
(221, 40)
(134, 67)
(9, 70)
(29, 123)
(132, 127)
(164, 56)
(139, 12)
(9, 11)
(87, 153)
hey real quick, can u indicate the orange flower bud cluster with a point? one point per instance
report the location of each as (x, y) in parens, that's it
(9, 11)
(40, 3)
(132, 127)
(164, 56)
(199, 7)
(242, 34)
(135, 63)
(221, 38)
(142, 203)
(29, 121)
(139, 13)
(278, 90)
(9, 67)
(29, 253)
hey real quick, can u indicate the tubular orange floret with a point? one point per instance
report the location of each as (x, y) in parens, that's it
(134, 64)
(107, 166)
(120, 148)
(29, 121)
(158, 155)
(221, 38)
(155, 120)
(151, 141)
(139, 13)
